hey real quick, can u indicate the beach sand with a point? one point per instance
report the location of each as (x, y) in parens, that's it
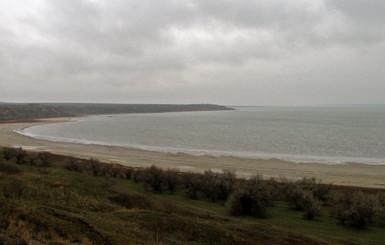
(350, 174)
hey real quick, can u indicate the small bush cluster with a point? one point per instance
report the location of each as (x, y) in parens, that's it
(158, 179)
(96, 168)
(306, 195)
(42, 159)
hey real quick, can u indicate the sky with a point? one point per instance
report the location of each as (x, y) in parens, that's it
(266, 52)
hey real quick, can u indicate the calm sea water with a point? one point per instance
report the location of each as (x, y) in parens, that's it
(301, 134)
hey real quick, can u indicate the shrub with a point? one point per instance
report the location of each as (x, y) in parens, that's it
(192, 184)
(381, 206)
(121, 172)
(298, 195)
(45, 158)
(128, 173)
(311, 205)
(73, 165)
(208, 185)
(8, 153)
(172, 179)
(357, 210)
(32, 160)
(320, 191)
(20, 155)
(226, 184)
(251, 199)
(94, 167)
(136, 175)
(217, 186)
(154, 176)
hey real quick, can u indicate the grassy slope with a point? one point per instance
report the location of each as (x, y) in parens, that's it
(68, 207)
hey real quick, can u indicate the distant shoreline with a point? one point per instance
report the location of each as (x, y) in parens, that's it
(25, 112)
(349, 174)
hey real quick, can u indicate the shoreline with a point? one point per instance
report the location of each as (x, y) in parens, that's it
(349, 174)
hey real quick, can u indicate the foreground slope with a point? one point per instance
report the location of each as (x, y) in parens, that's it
(51, 199)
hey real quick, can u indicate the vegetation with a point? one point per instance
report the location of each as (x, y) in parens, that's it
(33, 111)
(62, 200)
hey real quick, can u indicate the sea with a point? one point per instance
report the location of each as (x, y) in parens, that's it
(322, 134)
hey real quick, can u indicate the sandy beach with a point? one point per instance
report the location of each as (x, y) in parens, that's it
(351, 174)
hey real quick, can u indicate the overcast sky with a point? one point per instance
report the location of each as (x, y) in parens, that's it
(273, 52)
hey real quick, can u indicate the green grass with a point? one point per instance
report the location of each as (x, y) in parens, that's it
(69, 207)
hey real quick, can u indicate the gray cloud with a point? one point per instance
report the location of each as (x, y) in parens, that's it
(227, 52)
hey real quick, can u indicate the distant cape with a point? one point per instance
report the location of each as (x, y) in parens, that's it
(10, 112)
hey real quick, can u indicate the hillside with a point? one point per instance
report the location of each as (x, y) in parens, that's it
(50, 110)
(52, 199)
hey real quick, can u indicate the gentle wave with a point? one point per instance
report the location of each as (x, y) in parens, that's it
(331, 160)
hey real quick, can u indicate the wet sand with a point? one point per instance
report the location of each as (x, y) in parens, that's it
(351, 174)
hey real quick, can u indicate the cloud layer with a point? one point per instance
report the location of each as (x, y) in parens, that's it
(272, 52)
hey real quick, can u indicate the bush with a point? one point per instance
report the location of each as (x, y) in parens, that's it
(225, 184)
(73, 165)
(155, 177)
(8, 153)
(136, 175)
(251, 199)
(192, 184)
(357, 210)
(172, 179)
(94, 167)
(311, 205)
(217, 186)
(381, 206)
(45, 158)
(32, 160)
(20, 155)
(320, 191)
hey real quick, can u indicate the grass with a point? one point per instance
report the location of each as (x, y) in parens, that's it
(65, 207)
